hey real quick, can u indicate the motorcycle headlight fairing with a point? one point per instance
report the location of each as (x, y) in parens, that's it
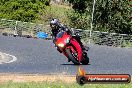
(66, 41)
(61, 45)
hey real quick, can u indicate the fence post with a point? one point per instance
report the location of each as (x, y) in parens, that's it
(92, 21)
(15, 31)
(90, 36)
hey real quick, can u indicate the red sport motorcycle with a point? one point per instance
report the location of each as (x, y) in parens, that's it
(69, 46)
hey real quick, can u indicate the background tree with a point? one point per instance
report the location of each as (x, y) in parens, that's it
(80, 17)
(22, 10)
(79, 5)
(110, 15)
(113, 16)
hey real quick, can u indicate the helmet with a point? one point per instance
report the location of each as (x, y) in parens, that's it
(54, 23)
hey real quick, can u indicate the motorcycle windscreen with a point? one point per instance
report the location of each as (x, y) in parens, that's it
(60, 35)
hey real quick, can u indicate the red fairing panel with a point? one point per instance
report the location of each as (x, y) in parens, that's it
(78, 48)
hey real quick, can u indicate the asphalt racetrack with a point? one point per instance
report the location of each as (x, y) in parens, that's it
(41, 57)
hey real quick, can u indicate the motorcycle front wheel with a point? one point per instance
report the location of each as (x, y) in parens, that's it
(72, 57)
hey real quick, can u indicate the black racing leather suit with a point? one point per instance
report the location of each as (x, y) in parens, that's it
(64, 28)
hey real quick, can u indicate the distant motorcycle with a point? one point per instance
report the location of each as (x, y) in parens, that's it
(69, 46)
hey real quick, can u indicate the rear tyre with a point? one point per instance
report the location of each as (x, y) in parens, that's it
(85, 60)
(71, 57)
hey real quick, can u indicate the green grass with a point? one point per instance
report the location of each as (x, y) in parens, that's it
(127, 44)
(59, 84)
(55, 11)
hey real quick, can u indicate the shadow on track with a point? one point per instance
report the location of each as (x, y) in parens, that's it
(74, 64)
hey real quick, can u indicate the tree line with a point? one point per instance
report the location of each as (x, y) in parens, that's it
(109, 15)
(22, 10)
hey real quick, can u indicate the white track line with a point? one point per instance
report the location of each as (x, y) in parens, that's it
(13, 57)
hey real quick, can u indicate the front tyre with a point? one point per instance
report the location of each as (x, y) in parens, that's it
(71, 57)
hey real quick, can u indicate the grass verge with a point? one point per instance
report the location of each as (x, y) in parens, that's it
(60, 84)
(49, 81)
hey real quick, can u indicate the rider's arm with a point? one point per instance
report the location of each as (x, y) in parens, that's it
(65, 28)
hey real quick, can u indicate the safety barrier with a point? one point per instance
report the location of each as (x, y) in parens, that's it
(27, 29)
(109, 39)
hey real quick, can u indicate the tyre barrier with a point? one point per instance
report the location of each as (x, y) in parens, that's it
(25, 36)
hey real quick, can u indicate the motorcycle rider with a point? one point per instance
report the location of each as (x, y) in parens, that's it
(56, 26)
